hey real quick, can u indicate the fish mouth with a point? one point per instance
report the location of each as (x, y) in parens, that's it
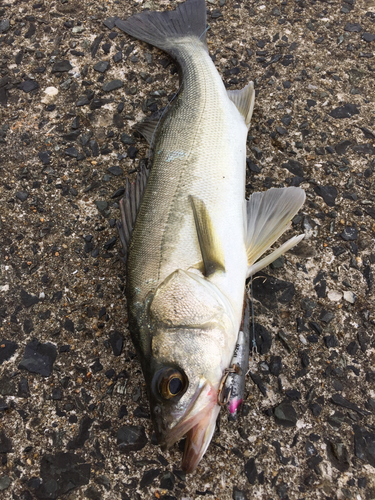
(198, 424)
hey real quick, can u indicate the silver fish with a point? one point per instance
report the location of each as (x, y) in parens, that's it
(190, 236)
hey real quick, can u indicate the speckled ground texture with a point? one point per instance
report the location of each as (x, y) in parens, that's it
(74, 418)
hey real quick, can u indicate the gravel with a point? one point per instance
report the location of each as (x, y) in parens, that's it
(74, 419)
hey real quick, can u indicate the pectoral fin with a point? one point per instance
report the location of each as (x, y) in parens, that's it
(268, 216)
(244, 101)
(210, 245)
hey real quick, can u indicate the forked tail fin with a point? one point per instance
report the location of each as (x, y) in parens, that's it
(163, 29)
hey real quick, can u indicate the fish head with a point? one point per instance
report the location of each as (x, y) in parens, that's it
(193, 334)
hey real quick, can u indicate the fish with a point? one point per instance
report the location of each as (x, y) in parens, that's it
(190, 237)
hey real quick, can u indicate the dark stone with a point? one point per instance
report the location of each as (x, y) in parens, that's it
(331, 341)
(259, 383)
(321, 289)
(342, 146)
(132, 152)
(110, 22)
(116, 340)
(7, 349)
(60, 474)
(7, 386)
(339, 400)
(364, 340)
(315, 327)
(294, 167)
(61, 66)
(83, 434)
(366, 149)
(362, 482)
(28, 85)
(326, 316)
(96, 366)
(22, 195)
(131, 438)
(364, 444)
(28, 326)
(328, 193)
(263, 339)
(285, 414)
(338, 455)
(293, 394)
(368, 37)
(345, 111)
(126, 139)
(311, 103)
(23, 388)
(251, 471)
(148, 477)
(305, 360)
(112, 85)
(101, 66)
(281, 130)
(5, 443)
(238, 494)
(286, 120)
(269, 290)
(353, 27)
(316, 409)
(275, 365)
(73, 152)
(69, 325)
(93, 494)
(123, 412)
(82, 101)
(45, 157)
(116, 170)
(4, 25)
(39, 358)
(167, 480)
(350, 233)
(93, 145)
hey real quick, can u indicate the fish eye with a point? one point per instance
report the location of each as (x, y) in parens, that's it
(172, 383)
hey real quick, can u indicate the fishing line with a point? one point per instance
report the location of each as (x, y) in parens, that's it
(254, 348)
(174, 97)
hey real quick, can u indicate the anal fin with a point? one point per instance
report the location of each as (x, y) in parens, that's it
(268, 217)
(210, 245)
(244, 101)
(129, 206)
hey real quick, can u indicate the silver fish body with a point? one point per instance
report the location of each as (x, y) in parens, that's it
(190, 250)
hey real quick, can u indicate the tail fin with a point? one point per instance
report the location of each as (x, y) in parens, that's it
(162, 29)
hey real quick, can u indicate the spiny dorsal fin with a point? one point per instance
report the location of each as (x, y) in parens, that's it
(268, 216)
(147, 128)
(244, 101)
(129, 206)
(210, 245)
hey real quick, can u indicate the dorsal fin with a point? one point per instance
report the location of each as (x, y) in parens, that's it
(147, 128)
(129, 206)
(210, 245)
(244, 101)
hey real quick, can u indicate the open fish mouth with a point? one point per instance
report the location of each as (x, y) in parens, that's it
(198, 424)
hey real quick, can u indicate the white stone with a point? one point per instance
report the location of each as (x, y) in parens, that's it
(50, 95)
(349, 297)
(334, 296)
